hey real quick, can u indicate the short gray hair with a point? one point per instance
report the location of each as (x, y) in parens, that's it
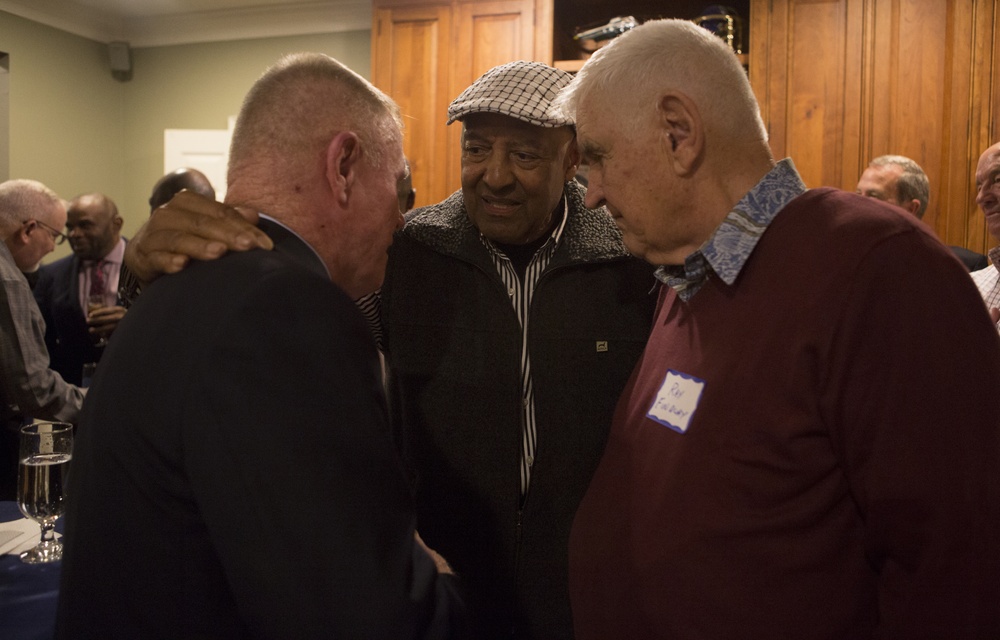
(659, 55)
(306, 99)
(23, 199)
(912, 184)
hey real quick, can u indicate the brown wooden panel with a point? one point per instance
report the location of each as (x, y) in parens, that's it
(815, 98)
(409, 52)
(487, 34)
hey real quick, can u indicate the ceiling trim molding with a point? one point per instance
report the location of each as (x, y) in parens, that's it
(201, 26)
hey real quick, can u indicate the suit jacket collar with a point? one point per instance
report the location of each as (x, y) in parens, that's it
(289, 243)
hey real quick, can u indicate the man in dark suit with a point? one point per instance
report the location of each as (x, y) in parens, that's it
(233, 475)
(78, 294)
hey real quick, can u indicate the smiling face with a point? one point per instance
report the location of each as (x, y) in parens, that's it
(513, 174)
(988, 188)
(92, 226)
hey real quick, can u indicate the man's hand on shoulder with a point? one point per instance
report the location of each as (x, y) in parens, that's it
(191, 226)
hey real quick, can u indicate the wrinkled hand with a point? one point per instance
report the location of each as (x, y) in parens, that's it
(191, 226)
(441, 564)
(102, 321)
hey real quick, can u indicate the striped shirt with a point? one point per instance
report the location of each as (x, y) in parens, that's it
(520, 294)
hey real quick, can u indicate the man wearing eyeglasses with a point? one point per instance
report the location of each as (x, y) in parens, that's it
(31, 215)
(78, 294)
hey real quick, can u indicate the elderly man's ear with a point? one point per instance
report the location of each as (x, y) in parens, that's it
(682, 131)
(342, 157)
(572, 160)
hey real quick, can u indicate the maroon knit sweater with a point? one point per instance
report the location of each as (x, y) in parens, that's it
(840, 475)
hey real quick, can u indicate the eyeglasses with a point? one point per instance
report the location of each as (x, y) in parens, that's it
(58, 236)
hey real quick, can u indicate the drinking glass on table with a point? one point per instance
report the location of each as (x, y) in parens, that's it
(45, 451)
(94, 302)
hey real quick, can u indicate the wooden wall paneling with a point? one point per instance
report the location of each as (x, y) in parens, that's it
(409, 62)
(910, 81)
(823, 66)
(768, 68)
(842, 81)
(949, 207)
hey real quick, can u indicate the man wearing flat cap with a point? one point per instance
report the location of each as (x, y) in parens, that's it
(512, 316)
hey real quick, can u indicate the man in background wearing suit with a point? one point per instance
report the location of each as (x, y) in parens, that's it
(234, 475)
(900, 181)
(78, 294)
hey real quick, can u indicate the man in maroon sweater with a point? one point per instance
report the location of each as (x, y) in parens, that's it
(809, 446)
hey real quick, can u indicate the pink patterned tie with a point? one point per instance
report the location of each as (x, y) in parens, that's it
(97, 282)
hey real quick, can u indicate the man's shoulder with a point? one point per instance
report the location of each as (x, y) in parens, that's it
(832, 216)
(60, 264)
(50, 274)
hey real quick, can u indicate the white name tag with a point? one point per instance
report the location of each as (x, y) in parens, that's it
(676, 401)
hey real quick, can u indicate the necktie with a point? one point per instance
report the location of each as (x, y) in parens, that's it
(97, 281)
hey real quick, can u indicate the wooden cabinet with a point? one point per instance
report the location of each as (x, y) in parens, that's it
(839, 81)
(424, 54)
(842, 81)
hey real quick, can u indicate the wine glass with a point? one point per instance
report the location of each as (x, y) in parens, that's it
(94, 302)
(45, 451)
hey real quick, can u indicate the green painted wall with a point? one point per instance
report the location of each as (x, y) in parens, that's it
(199, 87)
(65, 110)
(77, 129)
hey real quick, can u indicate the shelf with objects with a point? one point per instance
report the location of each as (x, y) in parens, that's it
(580, 27)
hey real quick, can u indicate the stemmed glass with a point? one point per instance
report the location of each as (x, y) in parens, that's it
(94, 302)
(45, 451)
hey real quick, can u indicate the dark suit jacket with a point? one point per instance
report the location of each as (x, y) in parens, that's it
(58, 295)
(233, 474)
(973, 261)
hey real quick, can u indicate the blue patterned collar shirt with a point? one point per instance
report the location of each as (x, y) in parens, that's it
(730, 246)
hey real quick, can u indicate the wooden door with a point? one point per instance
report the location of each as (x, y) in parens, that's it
(411, 60)
(843, 81)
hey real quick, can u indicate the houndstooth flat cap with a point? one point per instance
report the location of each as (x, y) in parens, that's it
(522, 90)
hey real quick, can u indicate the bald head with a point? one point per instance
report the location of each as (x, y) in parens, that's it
(667, 122)
(670, 56)
(319, 148)
(175, 181)
(298, 105)
(93, 225)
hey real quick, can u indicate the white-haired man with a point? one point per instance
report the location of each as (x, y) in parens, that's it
(808, 447)
(234, 475)
(31, 215)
